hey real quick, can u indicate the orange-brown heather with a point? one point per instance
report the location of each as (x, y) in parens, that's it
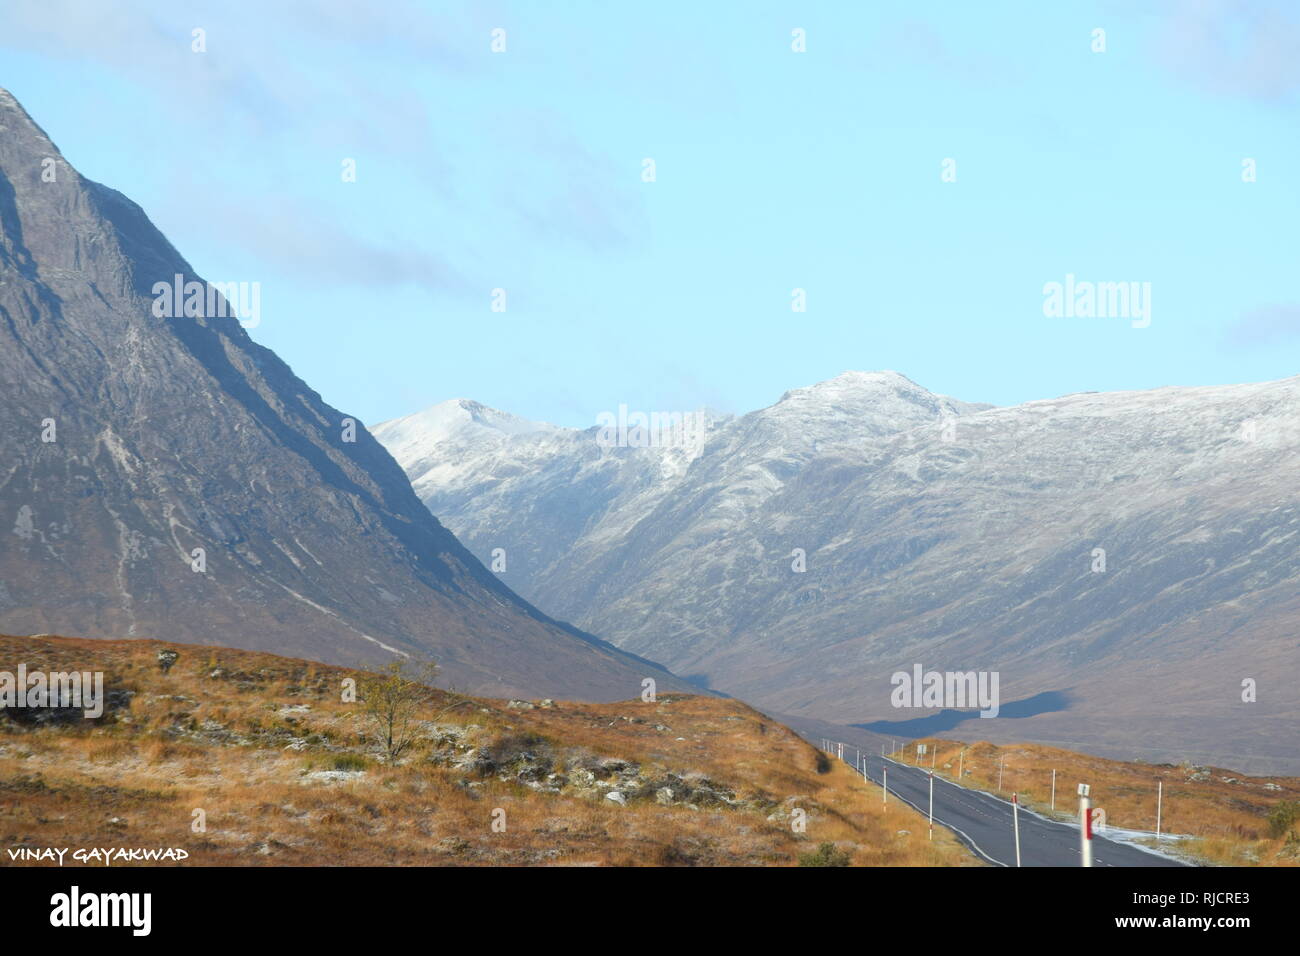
(286, 772)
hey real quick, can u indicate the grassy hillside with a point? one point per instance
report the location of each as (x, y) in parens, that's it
(286, 772)
(1227, 815)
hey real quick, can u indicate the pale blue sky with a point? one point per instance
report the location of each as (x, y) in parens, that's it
(775, 170)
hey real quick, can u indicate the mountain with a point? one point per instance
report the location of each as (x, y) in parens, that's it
(169, 476)
(935, 532)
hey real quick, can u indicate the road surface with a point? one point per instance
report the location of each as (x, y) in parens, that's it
(983, 822)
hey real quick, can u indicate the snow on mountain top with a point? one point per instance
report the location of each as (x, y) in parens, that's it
(861, 403)
(455, 418)
(877, 402)
(854, 383)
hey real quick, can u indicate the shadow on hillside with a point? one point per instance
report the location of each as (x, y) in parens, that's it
(1049, 701)
(703, 682)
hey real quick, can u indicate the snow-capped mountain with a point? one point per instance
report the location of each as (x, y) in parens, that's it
(434, 440)
(1124, 560)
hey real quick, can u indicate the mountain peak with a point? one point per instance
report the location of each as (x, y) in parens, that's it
(455, 418)
(88, 238)
(198, 490)
(14, 117)
(884, 378)
(878, 375)
(890, 399)
(854, 382)
(27, 154)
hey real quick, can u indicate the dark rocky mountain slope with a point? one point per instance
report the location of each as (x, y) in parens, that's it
(177, 434)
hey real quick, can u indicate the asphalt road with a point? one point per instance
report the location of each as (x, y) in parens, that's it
(984, 823)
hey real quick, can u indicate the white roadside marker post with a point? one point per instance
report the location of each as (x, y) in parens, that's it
(961, 762)
(1085, 826)
(1160, 797)
(884, 785)
(1053, 789)
(1001, 759)
(1015, 816)
(931, 804)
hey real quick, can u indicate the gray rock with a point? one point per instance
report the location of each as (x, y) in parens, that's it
(334, 776)
(177, 433)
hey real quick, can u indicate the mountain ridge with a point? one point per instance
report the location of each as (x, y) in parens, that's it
(940, 532)
(177, 434)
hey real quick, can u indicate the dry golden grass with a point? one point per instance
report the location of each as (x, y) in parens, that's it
(1226, 812)
(238, 736)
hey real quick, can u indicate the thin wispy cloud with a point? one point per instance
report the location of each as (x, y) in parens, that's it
(284, 75)
(922, 43)
(284, 92)
(779, 168)
(1234, 48)
(309, 244)
(1267, 325)
(561, 190)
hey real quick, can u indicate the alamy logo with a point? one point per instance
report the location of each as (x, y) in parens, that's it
(208, 300)
(955, 689)
(103, 909)
(1099, 300)
(653, 430)
(75, 689)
